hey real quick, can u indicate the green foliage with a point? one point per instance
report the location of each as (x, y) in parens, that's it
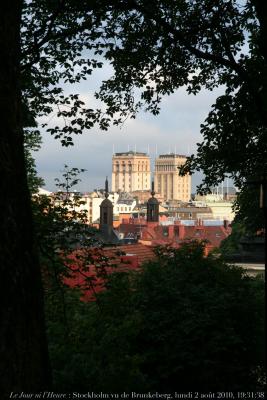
(60, 45)
(185, 322)
(248, 211)
(185, 318)
(61, 227)
(60, 219)
(231, 245)
(32, 143)
(154, 49)
(248, 222)
(70, 179)
(167, 45)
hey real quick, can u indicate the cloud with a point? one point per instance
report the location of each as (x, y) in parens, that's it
(176, 128)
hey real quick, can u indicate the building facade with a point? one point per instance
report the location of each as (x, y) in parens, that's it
(130, 171)
(91, 204)
(168, 183)
(221, 209)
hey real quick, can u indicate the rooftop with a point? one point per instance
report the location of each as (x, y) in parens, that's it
(172, 155)
(130, 154)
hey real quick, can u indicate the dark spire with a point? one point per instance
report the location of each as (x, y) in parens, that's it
(106, 210)
(152, 189)
(152, 207)
(106, 187)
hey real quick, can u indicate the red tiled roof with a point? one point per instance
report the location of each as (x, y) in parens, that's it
(213, 234)
(102, 262)
(156, 234)
(90, 277)
(142, 252)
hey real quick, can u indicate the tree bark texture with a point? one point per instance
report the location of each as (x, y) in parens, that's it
(24, 362)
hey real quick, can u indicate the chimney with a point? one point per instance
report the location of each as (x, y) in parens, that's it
(181, 231)
(171, 231)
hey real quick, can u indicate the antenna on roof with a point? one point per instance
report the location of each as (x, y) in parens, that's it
(128, 147)
(135, 148)
(148, 149)
(175, 150)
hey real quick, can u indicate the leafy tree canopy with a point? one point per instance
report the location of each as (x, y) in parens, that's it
(165, 45)
(182, 324)
(248, 211)
(154, 49)
(32, 143)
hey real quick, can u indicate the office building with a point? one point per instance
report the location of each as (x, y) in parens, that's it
(130, 171)
(168, 183)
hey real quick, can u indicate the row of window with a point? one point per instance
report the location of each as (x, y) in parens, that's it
(121, 209)
(123, 167)
(166, 168)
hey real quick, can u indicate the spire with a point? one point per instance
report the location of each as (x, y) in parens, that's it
(152, 189)
(106, 187)
(106, 210)
(152, 207)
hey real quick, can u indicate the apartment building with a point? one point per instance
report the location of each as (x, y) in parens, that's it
(168, 183)
(130, 171)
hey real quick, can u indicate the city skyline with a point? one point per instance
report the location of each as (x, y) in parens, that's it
(176, 128)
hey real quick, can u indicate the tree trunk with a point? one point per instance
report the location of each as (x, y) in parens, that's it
(24, 362)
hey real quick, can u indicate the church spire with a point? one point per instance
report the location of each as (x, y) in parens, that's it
(106, 188)
(106, 210)
(152, 207)
(152, 189)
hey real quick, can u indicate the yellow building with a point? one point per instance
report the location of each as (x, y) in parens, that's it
(130, 171)
(168, 183)
(221, 209)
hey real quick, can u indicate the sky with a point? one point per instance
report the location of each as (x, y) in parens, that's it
(176, 128)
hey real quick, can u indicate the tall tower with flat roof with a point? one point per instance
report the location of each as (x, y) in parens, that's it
(168, 183)
(130, 171)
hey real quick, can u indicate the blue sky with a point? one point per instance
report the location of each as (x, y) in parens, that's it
(176, 127)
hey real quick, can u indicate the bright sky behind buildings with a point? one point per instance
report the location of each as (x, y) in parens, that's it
(176, 128)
